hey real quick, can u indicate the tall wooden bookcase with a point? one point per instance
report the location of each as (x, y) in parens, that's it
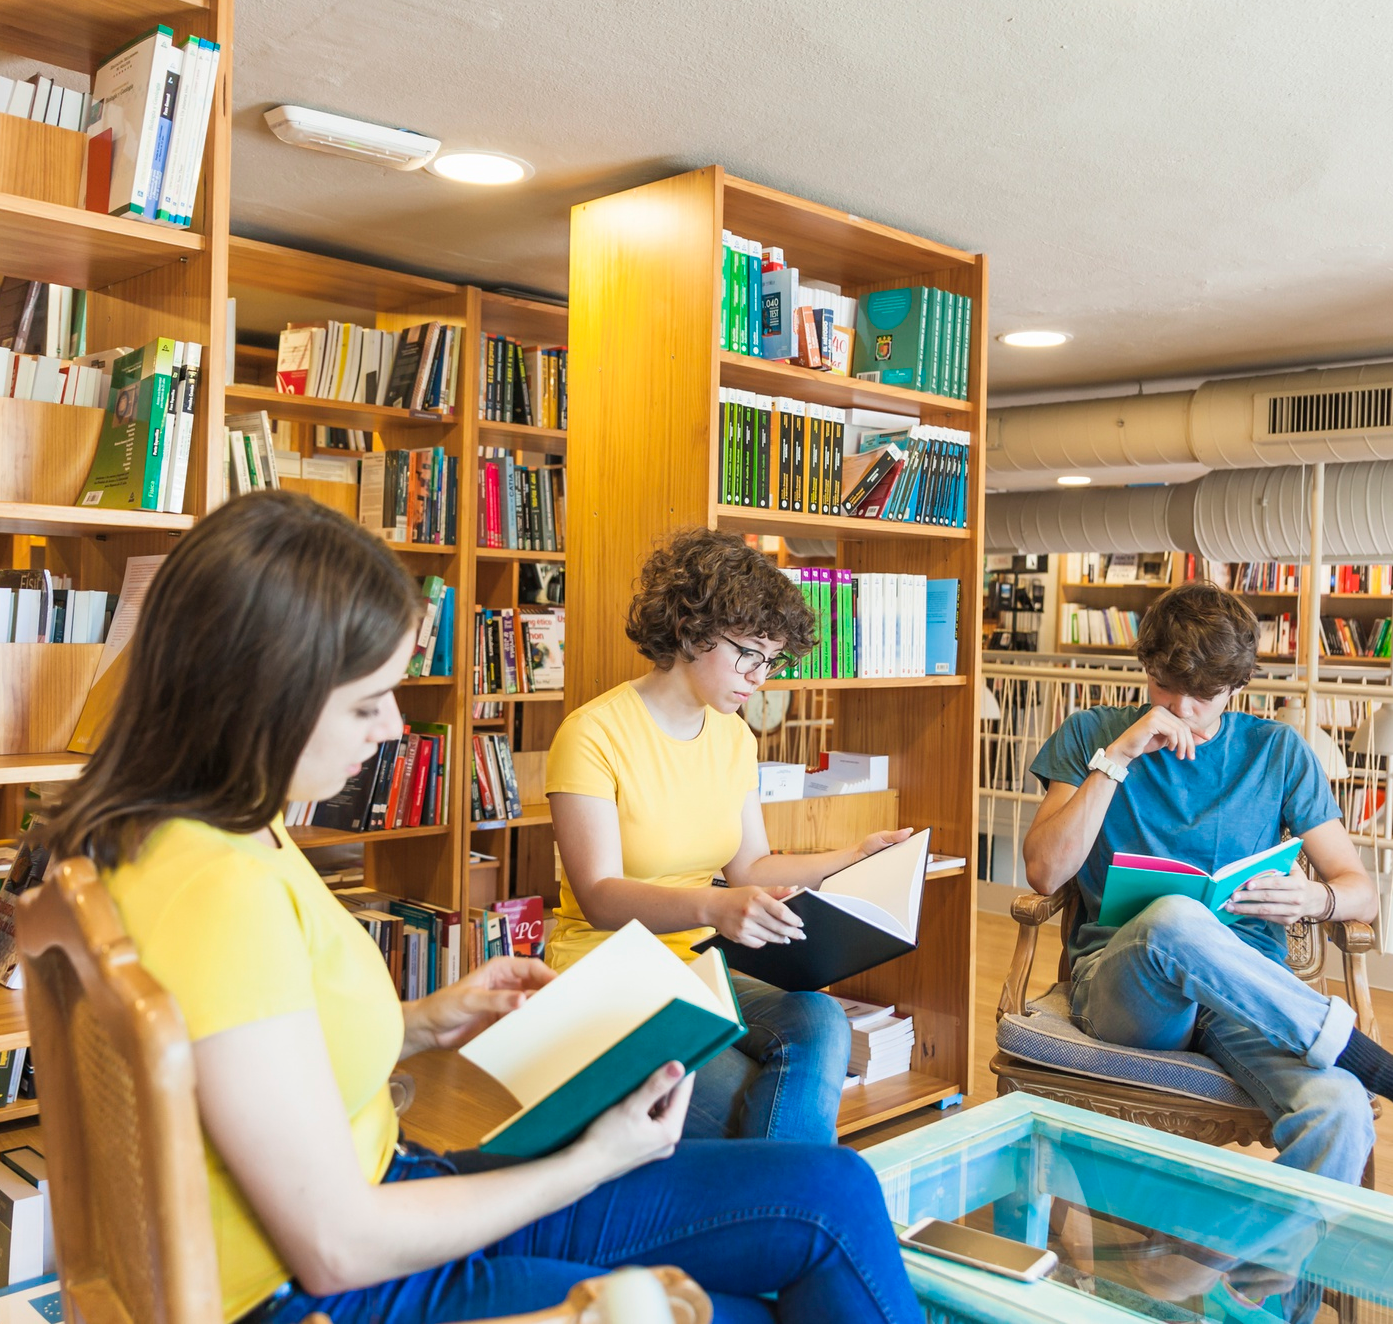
(143, 281)
(644, 454)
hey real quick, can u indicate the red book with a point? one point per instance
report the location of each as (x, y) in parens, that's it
(524, 922)
(411, 744)
(486, 803)
(425, 753)
(494, 522)
(389, 819)
(98, 196)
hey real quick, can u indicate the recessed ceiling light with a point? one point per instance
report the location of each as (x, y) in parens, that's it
(481, 168)
(1073, 480)
(1034, 339)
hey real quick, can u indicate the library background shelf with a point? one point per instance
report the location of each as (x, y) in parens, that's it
(633, 297)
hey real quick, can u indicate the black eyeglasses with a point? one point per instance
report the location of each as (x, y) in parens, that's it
(751, 659)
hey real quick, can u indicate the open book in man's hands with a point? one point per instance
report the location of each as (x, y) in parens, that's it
(595, 1033)
(861, 916)
(1133, 882)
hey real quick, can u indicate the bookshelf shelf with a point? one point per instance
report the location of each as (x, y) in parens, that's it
(511, 554)
(527, 320)
(308, 838)
(20, 1107)
(520, 437)
(749, 519)
(21, 769)
(296, 274)
(76, 521)
(768, 377)
(329, 413)
(423, 548)
(534, 696)
(866, 683)
(89, 251)
(644, 459)
(414, 681)
(532, 816)
(78, 33)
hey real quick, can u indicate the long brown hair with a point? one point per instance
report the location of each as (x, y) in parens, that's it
(267, 606)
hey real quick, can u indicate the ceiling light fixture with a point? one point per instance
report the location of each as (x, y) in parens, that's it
(1034, 339)
(471, 167)
(1073, 480)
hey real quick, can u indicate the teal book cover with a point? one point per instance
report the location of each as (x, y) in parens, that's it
(891, 329)
(1133, 882)
(125, 471)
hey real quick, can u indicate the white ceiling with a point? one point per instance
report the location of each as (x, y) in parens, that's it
(1184, 186)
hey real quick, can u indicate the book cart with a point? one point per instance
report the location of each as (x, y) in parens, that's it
(644, 457)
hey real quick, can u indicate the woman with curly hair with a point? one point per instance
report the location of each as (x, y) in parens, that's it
(654, 790)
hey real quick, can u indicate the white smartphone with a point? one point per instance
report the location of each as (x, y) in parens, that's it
(982, 1250)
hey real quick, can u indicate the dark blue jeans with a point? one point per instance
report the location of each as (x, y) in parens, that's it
(743, 1218)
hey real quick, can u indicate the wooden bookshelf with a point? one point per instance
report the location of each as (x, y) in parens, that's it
(644, 459)
(143, 281)
(524, 846)
(330, 413)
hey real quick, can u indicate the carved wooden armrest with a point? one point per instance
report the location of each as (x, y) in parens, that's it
(1030, 912)
(1350, 935)
(1353, 937)
(1034, 910)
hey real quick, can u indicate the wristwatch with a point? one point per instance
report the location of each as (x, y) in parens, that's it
(1100, 762)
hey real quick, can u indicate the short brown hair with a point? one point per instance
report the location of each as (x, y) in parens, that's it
(1199, 639)
(703, 584)
(272, 602)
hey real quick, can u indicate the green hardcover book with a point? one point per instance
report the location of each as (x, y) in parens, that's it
(1133, 882)
(824, 621)
(739, 296)
(933, 350)
(950, 335)
(725, 289)
(595, 1034)
(125, 472)
(964, 344)
(890, 331)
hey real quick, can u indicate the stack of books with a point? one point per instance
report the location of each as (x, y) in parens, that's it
(416, 369)
(876, 626)
(409, 496)
(38, 607)
(519, 650)
(1342, 636)
(146, 127)
(251, 453)
(142, 458)
(882, 1044)
(493, 786)
(421, 943)
(1099, 626)
(916, 476)
(1273, 577)
(1376, 580)
(506, 928)
(51, 320)
(522, 384)
(40, 99)
(405, 784)
(521, 507)
(1277, 634)
(915, 337)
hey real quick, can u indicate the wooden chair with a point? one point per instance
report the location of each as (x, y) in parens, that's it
(131, 1215)
(1136, 1095)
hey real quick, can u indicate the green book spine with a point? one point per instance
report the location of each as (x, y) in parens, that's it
(945, 386)
(740, 298)
(925, 330)
(933, 358)
(725, 289)
(966, 347)
(122, 475)
(824, 595)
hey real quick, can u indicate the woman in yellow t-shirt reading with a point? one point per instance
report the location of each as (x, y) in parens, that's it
(263, 669)
(654, 790)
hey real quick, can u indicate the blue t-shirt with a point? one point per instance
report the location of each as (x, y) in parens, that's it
(1247, 784)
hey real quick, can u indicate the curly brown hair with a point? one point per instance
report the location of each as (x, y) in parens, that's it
(702, 584)
(1199, 639)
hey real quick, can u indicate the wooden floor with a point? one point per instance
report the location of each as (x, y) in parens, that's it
(454, 1105)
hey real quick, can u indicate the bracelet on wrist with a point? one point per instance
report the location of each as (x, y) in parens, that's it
(1329, 911)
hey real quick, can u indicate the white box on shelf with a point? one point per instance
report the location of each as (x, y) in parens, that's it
(873, 769)
(823, 783)
(780, 781)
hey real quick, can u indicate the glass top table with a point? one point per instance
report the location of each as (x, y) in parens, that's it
(1146, 1225)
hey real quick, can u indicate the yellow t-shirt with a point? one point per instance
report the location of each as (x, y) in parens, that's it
(679, 802)
(238, 931)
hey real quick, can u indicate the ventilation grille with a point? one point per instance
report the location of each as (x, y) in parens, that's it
(1363, 409)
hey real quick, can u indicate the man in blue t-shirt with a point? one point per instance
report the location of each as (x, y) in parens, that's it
(1181, 777)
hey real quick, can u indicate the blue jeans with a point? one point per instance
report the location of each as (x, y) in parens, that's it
(782, 1080)
(1177, 977)
(744, 1219)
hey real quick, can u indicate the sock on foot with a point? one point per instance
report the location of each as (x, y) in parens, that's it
(1371, 1064)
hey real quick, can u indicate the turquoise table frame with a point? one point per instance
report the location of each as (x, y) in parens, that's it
(1018, 1153)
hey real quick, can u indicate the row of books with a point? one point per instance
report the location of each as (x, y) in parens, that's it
(1342, 636)
(521, 507)
(142, 457)
(405, 784)
(38, 607)
(1266, 577)
(915, 476)
(515, 927)
(1376, 580)
(409, 496)
(1277, 634)
(493, 781)
(421, 943)
(882, 1044)
(1098, 626)
(519, 650)
(490, 711)
(251, 464)
(522, 384)
(1284, 577)
(146, 127)
(434, 651)
(1153, 568)
(777, 452)
(875, 626)
(85, 381)
(768, 312)
(916, 337)
(40, 99)
(416, 368)
(39, 318)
